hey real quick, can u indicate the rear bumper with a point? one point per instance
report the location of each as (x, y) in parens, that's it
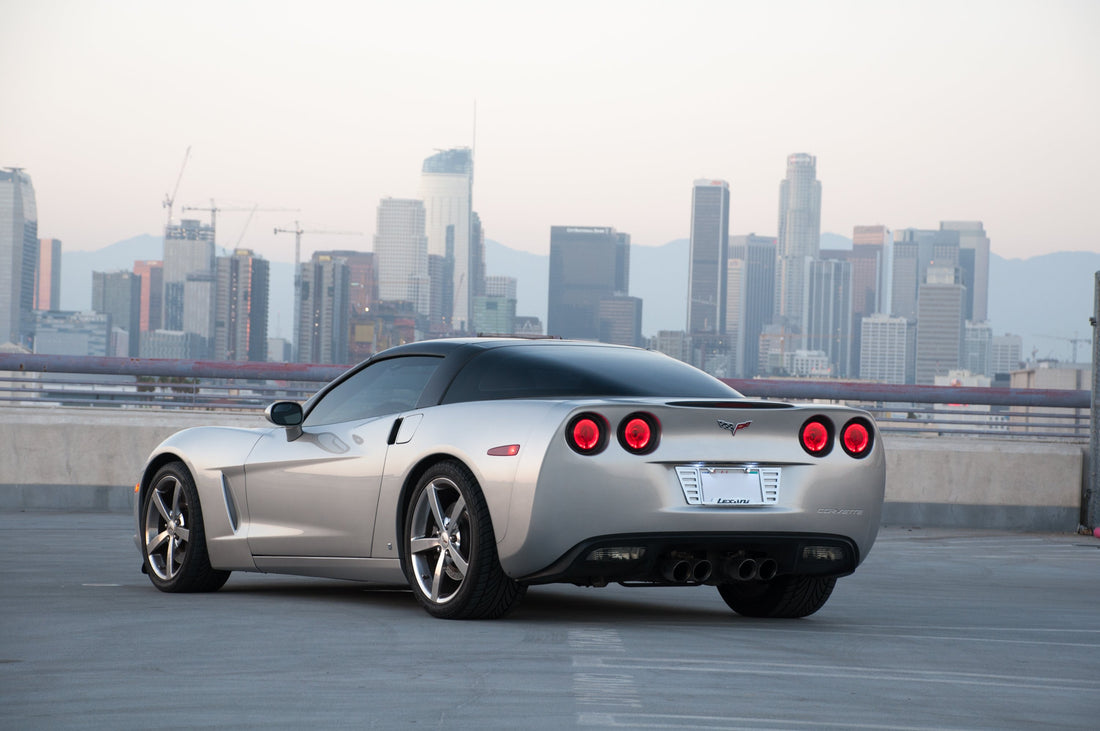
(711, 558)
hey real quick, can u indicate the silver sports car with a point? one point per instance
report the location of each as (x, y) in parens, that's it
(471, 469)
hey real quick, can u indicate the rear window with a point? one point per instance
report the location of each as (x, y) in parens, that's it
(579, 371)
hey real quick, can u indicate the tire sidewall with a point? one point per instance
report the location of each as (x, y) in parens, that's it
(466, 486)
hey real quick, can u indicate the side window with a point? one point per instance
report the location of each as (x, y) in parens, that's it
(386, 387)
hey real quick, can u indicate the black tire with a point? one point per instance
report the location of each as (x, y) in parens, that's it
(172, 535)
(450, 550)
(785, 597)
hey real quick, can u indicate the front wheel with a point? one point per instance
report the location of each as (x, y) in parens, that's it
(450, 550)
(172, 536)
(782, 597)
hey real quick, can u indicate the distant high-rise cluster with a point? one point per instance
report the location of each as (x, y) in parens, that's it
(905, 305)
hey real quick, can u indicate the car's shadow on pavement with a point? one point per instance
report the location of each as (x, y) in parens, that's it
(542, 604)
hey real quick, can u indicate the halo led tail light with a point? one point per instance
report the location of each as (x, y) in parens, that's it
(587, 433)
(856, 438)
(816, 436)
(639, 433)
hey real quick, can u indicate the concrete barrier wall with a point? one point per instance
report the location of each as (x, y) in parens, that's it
(79, 459)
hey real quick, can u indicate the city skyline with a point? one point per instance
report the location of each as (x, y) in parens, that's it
(323, 110)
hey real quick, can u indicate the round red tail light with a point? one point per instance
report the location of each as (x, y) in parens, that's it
(639, 433)
(817, 436)
(856, 438)
(586, 433)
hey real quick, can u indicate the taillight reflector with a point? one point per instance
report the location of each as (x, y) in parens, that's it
(586, 433)
(816, 437)
(639, 433)
(856, 438)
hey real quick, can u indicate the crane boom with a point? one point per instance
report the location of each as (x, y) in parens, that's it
(170, 199)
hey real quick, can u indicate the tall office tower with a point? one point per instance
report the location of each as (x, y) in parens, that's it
(495, 311)
(757, 294)
(323, 313)
(477, 255)
(18, 256)
(401, 251)
(622, 264)
(47, 284)
(61, 332)
(974, 259)
(441, 293)
(583, 265)
(151, 272)
(940, 330)
(913, 252)
(977, 356)
(446, 187)
(118, 294)
(888, 349)
(829, 314)
(188, 249)
(362, 295)
(620, 319)
(799, 238)
(198, 308)
(240, 307)
(710, 223)
(1006, 353)
(735, 317)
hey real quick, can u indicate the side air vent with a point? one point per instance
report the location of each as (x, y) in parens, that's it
(230, 506)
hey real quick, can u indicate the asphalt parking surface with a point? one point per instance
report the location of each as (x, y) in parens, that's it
(937, 629)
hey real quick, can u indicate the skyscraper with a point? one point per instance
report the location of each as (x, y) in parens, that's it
(888, 349)
(188, 250)
(323, 312)
(18, 256)
(940, 329)
(974, 259)
(446, 187)
(118, 294)
(401, 253)
(756, 290)
(829, 313)
(913, 252)
(799, 239)
(707, 269)
(47, 284)
(240, 307)
(151, 272)
(585, 262)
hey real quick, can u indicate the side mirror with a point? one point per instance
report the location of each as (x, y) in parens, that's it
(286, 414)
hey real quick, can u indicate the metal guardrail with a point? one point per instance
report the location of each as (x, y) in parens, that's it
(219, 385)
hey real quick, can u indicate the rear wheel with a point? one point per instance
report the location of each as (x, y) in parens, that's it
(782, 597)
(173, 538)
(450, 550)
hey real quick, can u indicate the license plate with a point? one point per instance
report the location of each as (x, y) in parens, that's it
(730, 486)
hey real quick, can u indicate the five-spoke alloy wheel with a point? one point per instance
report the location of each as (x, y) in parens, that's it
(173, 540)
(450, 551)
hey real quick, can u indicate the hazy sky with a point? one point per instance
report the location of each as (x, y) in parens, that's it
(588, 113)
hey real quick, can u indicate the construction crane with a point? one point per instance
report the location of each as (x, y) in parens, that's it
(1074, 341)
(298, 231)
(213, 209)
(170, 199)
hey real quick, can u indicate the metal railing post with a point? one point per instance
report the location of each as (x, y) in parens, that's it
(1092, 490)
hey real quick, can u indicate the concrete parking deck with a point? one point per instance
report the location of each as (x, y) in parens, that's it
(938, 629)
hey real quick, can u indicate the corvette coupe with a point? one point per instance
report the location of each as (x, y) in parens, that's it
(471, 469)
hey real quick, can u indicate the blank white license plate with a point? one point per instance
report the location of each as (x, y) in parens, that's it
(731, 486)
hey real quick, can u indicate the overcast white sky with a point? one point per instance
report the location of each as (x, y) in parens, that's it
(588, 113)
